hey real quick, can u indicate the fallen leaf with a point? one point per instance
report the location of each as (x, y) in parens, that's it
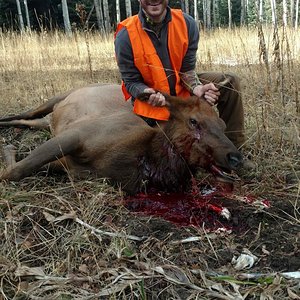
(245, 261)
(29, 271)
(292, 295)
(83, 268)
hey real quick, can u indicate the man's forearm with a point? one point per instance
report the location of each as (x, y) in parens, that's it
(135, 88)
(189, 80)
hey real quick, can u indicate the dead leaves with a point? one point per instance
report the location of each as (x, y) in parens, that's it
(176, 275)
(37, 272)
(141, 262)
(116, 280)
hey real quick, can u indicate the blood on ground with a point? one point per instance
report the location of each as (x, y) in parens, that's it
(205, 207)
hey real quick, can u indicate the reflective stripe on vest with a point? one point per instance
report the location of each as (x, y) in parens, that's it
(149, 64)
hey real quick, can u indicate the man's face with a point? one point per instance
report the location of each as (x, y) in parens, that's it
(155, 9)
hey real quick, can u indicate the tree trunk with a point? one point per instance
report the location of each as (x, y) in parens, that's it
(243, 12)
(118, 13)
(292, 10)
(187, 7)
(215, 13)
(229, 14)
(106, 15)
(247, 10)
(260, 10)
(273, 9)
(27, 14)
(182, 5)
(196, 10)
(204, 8)
(284, 12)
(128, 8)
(208, 14)
(67, 24)
(20, 15)
(98, 10)
(296, 14)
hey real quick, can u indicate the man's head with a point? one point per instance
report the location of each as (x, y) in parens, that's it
(155, 9)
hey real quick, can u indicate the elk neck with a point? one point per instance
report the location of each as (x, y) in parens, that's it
(163, 165)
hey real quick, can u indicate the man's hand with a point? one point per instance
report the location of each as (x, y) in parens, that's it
(208, 91)
(156, 99)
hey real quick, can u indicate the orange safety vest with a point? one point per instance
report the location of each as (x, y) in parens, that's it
(149, 64)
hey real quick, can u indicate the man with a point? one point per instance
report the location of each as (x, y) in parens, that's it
(156, 50)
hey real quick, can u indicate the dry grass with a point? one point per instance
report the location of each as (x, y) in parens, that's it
(62, 239)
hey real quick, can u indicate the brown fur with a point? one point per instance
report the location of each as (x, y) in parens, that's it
(95, 132)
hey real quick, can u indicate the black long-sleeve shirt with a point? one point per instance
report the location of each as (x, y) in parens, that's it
(131, 76)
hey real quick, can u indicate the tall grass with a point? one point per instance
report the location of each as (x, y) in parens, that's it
(54, 51)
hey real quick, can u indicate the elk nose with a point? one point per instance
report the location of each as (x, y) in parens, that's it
(234, 159)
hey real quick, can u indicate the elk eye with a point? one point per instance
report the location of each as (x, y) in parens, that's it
(193, 122)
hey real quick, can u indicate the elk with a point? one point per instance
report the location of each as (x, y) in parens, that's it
(95, 133)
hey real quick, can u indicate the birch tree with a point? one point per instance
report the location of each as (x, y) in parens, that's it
(27, 14)
(128, 8)
(98, 9)
(66, 17)
(243, 12)
(196, 10)
(296, 14)
(118, 13)
(106, 15)
(273, 9)
(204, 8)
(292, 10)
(208, 13)
(21, 22)
(215, 12)
(185, 6)
(229, 14)
(260, 10)
(284, 12)
(182, 5)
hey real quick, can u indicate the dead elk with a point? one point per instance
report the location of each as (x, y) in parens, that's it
(96, 133)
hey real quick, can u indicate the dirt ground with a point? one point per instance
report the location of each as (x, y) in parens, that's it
(269, 234)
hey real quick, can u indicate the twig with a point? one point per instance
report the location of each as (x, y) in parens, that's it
(72, 216)
(192, 239)
(112, 234)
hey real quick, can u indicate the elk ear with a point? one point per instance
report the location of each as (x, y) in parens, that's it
(223, 83)
(171, 101)
(176, 105)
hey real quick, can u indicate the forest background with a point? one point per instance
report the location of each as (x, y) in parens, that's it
(105, 14)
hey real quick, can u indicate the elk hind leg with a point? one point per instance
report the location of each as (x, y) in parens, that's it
(42, 123)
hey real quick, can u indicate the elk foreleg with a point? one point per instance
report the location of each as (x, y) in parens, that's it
(42, 123)
(53, 149)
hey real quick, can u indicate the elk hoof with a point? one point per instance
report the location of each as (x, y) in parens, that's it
(9, 154)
